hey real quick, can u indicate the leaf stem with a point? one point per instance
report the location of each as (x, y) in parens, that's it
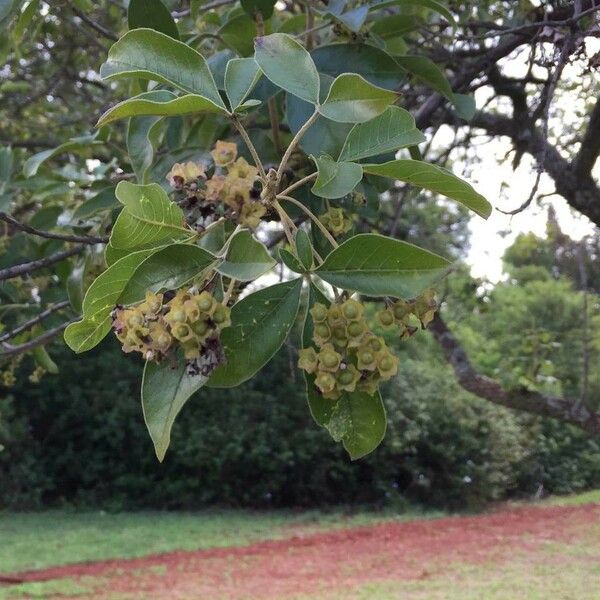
(242, 130)
(230, 288)
(313, 218)
(294, 143)
(298, 183)
(285, 222)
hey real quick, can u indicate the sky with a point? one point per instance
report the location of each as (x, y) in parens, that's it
(489, 239)
(506, 189)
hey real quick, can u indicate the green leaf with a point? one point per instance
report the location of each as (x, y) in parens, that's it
(105, 199)
(7, 9)
(465, 106)
(78, 144)
(335, 179)
(431, 4)
(290, 261)
(141, 106)
(395, 25)
(106, 290)
(167, 269)
(148, 54)
(260, 324)
(152, 14)
(165, 389)
(6, 167)
(323, 136)
(390, 131)
(428, 72)
(241, 75)
(246, 258)
(43, 359)
(84, 335)
(288, 65)
(359, 421)
(353, 19)
(143, 136)
(239, 33)
(375, 65)
(435, 179)
(304, 249)
(263, 7)
(352, 99)
(381, 266)
(148, 217)
(24, 20)
(75, 284)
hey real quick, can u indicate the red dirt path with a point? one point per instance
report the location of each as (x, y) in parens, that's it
(328, 561)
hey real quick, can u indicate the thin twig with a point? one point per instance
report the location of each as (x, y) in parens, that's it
(96, 26)
(28, 267)
(9, 350)
(78, 239)
(34, 321)
(523, 28)
(312, 217)
(294, 143)
(250, 145)
(298, 184)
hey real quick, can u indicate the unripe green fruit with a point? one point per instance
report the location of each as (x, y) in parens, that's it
(376, 345)
(200, 327)
(178, 316)
(386, 364)
(339, 332)
(355, 329)
(345, 377)
(350, 311)
(335, 313)
(330, 359)
(205, 303)
(325, 382)
(319, 313)
(219, 315)
(366, 357)
(181, 330)
(386, 318)
(322, 331)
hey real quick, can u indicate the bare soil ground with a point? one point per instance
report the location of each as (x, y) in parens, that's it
(325, 565)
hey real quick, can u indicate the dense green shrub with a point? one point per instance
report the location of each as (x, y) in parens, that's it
(79, 438)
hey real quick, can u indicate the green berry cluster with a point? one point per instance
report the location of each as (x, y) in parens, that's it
(336, 222)
(401, 313)
(350, 356)
(191, 320)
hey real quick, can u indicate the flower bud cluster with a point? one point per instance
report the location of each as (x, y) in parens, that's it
(400, 314)
(336, 222)
(348, 355)
(190, 320)
(229, 192)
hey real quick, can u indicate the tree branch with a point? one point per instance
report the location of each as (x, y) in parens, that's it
(46, 337)
(28, 267)
(94, 25)
(34, 321)
(79, 239)
(590, 144)
(523, 399)
(579, 190)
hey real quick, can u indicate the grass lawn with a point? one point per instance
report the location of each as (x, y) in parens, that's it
(568, 570)
(51, 538)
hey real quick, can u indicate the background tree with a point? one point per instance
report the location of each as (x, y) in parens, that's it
(62, 207)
